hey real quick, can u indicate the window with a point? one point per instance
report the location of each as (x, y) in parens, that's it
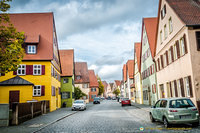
(164, 60)
(21, 70)
(182, 46)
(173, 89)
(93, 89)
(170, 25)
(181, 103)
(145, 95)
(169, 56)
(72, 95)
(53, 91)
(37, 69)
(37, 90)
(179, 88)
(175, 52)
(161, 36)
(157, 105)
(31, 49)
(65, 80)
(198, 40)
(78, 77)
(93, 96)
(65, 95)
(165, 31)
(85, 85)
(187, 87)
(163, 12)
(163, 104)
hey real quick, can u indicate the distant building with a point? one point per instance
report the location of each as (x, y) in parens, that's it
(93, 86)
(105, 84)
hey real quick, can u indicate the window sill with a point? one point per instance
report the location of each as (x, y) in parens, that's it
(36, 96)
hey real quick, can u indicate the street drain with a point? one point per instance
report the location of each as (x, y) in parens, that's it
(36, 125)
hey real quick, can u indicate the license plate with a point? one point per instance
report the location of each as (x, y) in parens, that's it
(126, 101)
(185, 116)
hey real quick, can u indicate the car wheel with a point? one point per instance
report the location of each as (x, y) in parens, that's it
(122, 105)
(166, 124)
(85, 108)
(196, 124)
(151, 118)
(72, 109)
(129, 104)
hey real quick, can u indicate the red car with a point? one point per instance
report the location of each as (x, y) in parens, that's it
(126, 101)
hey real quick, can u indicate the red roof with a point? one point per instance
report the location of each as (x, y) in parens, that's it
(105, 84)
(187, 10)
(151, 27)
(130, 68)
(124, 73)
(118, 82)
(67, 62)
(138, 50)
(93, 79)
(37, 27)
(81, 69)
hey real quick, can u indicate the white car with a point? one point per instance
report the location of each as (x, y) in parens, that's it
(79, 105)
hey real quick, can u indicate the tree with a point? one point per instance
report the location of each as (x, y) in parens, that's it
(78, 93)
(11, 41)
(116, 92)
(101, 86)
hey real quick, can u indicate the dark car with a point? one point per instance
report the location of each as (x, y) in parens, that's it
(96, 100)
(109, 98)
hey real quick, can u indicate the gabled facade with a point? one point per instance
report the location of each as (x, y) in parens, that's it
(40, 65)
(148, 71)
(105, 84)
(130, 79)
(177, 49)
(137, 73)
(82, 79)
(93, 86)
(67, 77)
(117, 84)
(124, 74)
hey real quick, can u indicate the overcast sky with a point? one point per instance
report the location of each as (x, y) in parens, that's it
(102, 32)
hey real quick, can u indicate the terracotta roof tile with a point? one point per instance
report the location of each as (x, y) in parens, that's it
(93, 79)
(32, 38)
(33, 25)
(138, 50)
(151, 27)
(124, 73)
(130, 68)
(187, 10)
(67, 62)
(81, 69)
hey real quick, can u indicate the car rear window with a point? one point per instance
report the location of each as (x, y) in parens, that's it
(96, 98)
(125, 99)
(78, 101)
(181, 103)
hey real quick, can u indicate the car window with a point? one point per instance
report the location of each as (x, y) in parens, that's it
(78, 101)
(181, 103)
(157, 105)
(163, 103)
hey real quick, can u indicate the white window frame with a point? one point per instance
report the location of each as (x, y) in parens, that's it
(170, 25)
(20, 68)
(38, 90)
(85, 85)
(165, 31)
(65, 80)
(37, 69)
(175, 52)
(32, 49)
(187, 86)
(182, 46)
(169, 56)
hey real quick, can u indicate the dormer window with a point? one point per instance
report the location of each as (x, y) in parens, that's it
(31, 49)
(163, 12)
(78, 77)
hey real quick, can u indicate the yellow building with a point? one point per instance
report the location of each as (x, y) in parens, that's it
(38, 76)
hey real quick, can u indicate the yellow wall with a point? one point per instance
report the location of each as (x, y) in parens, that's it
(25, 93)
(47, 80)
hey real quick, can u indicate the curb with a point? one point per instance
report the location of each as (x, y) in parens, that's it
(140, 108)
(54, 122)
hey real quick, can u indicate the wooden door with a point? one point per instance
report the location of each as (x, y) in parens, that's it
(13, 97)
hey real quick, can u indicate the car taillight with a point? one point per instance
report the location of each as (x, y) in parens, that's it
(173, 110)
(194, 109)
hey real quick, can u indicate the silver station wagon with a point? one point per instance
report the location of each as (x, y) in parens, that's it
(175, 111)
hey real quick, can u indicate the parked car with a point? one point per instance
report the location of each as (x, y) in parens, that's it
(120, 99)
(175, 111)
(102, 98)
(125, 101)
(96, 100)
(113, 98)
(79, 105)
(109, 98)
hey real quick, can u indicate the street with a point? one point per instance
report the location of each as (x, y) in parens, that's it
(110, 117)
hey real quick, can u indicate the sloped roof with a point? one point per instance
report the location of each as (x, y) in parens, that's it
(67, 62)
(151, 27)
(118, 82)
(124, 73)
(37, 27)
(138, 50)
(187, 10)
(105, 84)
(93, 79)
(111, 85)
(15, 81)
(130, 68)
(81, 69)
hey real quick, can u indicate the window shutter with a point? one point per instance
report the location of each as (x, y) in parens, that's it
(182, 88)
(43, 69)
(190, 85)
(170, 87)
(178, 49)
(167, 58)
(198, 40)
(43, 91)
(150, 70)
(158, 64)
(153, 69)
(175, 87)
(29, 69)
(185, 44)
(172, 53)
(14, 72)
(161, 58)
(155, 88)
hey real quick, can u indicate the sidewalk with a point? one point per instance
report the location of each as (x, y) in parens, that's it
(141, 106)
(40, 122)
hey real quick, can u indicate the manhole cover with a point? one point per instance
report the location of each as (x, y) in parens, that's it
(36, 125)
